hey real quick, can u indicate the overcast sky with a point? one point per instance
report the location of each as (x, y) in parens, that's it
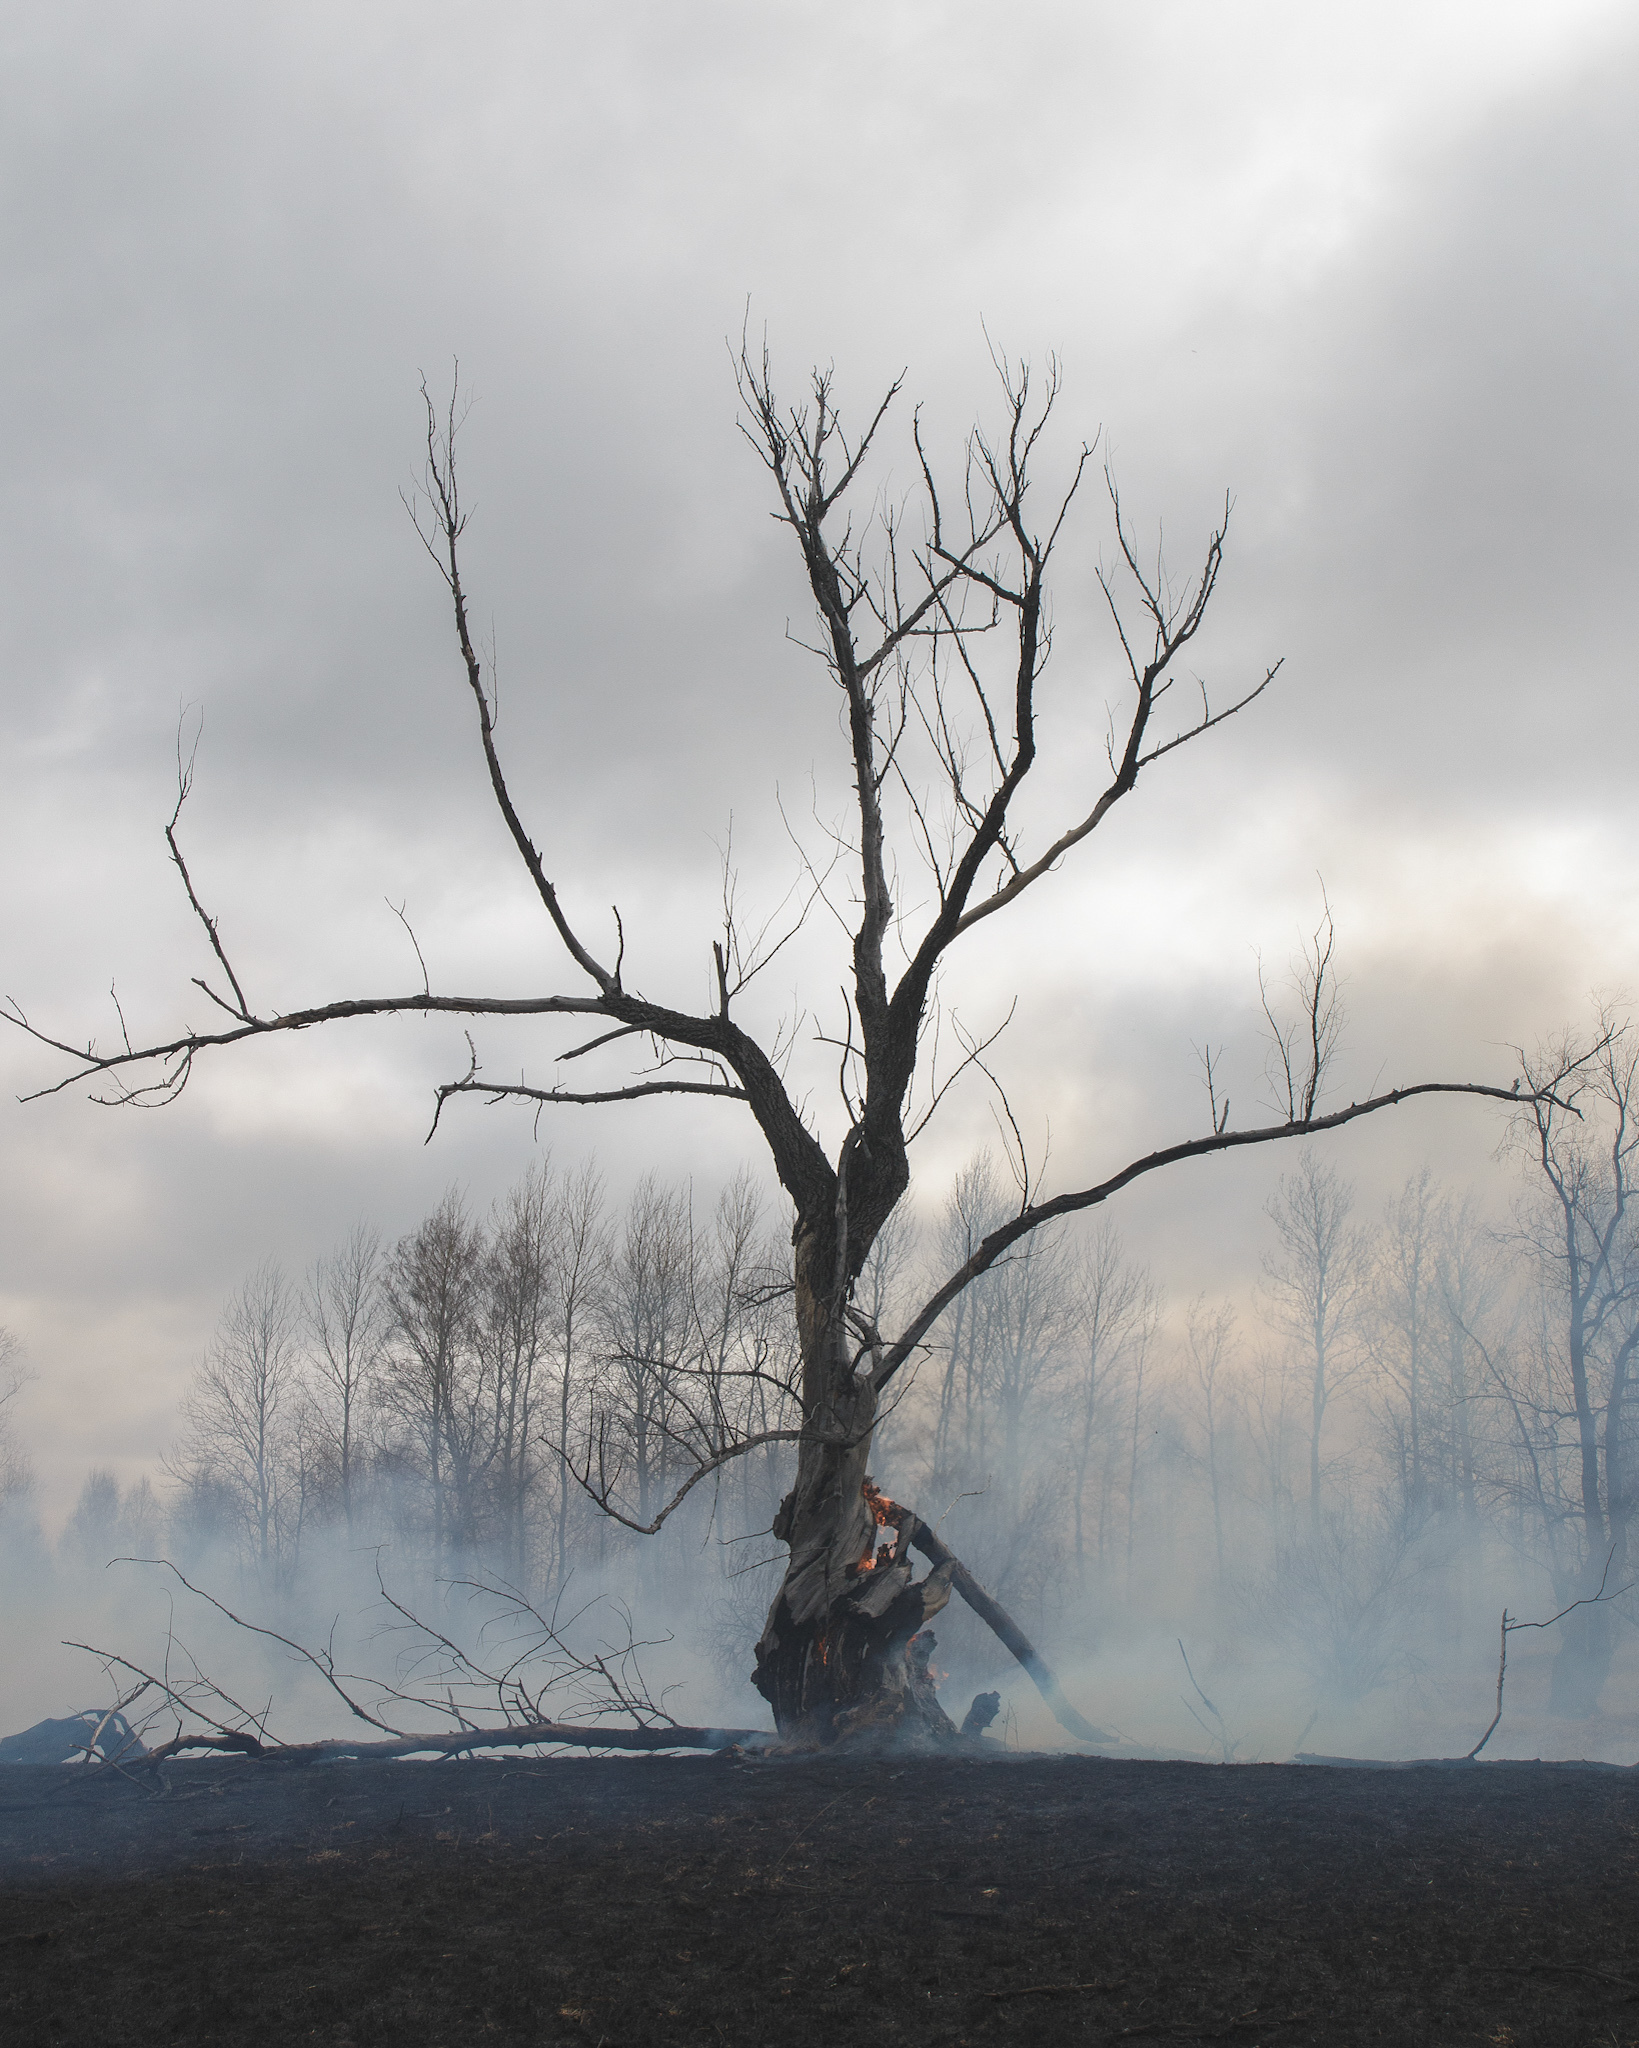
(1371, 270)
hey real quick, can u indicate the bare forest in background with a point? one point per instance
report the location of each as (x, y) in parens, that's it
(1406, 1400)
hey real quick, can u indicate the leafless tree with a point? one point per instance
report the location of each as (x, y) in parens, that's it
(346, 1317)
(1210, 1345)
(106, 1523)
(1473, 1294)
(1317, 1284)
(1347, 1597)
(16, 1470)
(503, 1673)
(696, 1368)
(579, 1277)
(434, 1374)
(1405, 1327)
(516, 1332)
(1006, 1340)
(1142, 1398)
(240, 1415)
(933, 626)
(986, 1430)
(649, 1351)
(1270, 1401)
(91, 1535)
(971, 1210)
(1579, 1229)
(1115, 1309)
(745, 1382)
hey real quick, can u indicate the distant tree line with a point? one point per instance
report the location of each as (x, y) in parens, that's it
(523, 1392)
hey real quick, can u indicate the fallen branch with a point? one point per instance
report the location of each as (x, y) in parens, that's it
(1222, 1738)
(499, 1707)
(1513, 1627)
(996, 1617)
(528, 1735)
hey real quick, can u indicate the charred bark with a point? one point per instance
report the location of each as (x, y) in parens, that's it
(844, 1655)
(835, 1660)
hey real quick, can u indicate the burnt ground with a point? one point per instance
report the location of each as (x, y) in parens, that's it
(818, 1901)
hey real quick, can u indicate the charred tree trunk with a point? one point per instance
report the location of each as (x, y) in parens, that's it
(836, 1657)
(844, 1653)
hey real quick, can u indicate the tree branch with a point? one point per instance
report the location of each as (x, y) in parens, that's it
(601, 1496)
(1032, 1218)
(443, 493)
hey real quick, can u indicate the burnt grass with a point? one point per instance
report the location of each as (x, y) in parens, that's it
(748, 1901)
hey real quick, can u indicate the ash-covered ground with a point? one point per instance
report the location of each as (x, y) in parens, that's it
(818, 1901)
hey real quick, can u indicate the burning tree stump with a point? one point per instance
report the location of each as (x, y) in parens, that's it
(862, 1675)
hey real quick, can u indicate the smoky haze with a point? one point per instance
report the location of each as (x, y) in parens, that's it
(1369, 276)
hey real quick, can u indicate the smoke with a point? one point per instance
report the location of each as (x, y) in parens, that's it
(1288, 1513)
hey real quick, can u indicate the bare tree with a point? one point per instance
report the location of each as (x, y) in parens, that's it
(1004, 1465)
(971, 1210)
(434, 1371)
(516, 1332)
(346, 1316)
(1115, 1311)
(1007, 1343)
(239, 1440)
(1139, 1432)
(91, 1535)
(1404, 1327)
(578, 1280)
(1270, 1400)
(1317, 1281)
(649, 1351)
(1580, 1231)
(745, 1382)
(1210, 1344)
(106, 1522)
(933, 626)
(16, 1470)
(1473, 1289)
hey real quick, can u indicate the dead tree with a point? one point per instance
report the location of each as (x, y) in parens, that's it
(346, 1317)
(933, 630)
(1317, 1283)
(240, 1437)
(1583, 1144)
(524, 1678)
(16, 1473)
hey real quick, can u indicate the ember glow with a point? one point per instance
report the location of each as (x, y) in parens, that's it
(889, 1515)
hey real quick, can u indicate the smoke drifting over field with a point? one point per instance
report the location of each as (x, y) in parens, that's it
(1235, 1528)
(1361, 273)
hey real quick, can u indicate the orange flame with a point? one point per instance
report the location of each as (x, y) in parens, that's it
(887, 1514)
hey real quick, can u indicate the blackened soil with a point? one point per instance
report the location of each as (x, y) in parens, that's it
(821, 1901)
